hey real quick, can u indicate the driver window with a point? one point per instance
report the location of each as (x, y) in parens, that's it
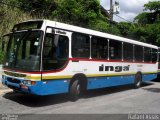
(48, 45)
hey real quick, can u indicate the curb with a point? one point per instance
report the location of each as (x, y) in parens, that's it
(5, 91)
(2, 87)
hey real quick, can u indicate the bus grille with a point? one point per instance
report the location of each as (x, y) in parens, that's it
(14, 74)
(13, 80)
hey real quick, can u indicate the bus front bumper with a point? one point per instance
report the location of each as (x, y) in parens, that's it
(38, 88)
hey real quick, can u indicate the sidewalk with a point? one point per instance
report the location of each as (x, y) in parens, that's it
(2, 86)
(3, 89)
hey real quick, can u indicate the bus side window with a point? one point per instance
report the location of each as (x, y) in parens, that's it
(48, 45)
(127, 51)
(80, 45)
(115, 50)
(147, 54)
(99, 49)
(154, 55)
(138, 53)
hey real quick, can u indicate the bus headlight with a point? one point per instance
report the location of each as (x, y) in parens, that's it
(29, 82)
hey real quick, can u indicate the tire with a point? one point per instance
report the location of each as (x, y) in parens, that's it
(137, 80)
(75, 90)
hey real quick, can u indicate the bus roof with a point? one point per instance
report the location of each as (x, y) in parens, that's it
(68, 27)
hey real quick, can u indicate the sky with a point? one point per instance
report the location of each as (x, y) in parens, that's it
(129, 9)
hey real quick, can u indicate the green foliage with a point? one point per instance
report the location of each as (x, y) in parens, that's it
(8, 17)
(99, 25)
(142, 18)
(1, 56)
(42, 8)
(84, 13)
(149, 17)
(148, 24)
(124, 28)
(153, 32)
(153, 6)
(148, 33)
(77, 12)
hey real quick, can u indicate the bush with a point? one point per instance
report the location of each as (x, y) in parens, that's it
(9, 16)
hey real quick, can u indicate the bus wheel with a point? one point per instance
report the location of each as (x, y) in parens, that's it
(138, 80)
(75, 90)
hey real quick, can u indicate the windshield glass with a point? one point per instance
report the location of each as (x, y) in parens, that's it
(23, 51)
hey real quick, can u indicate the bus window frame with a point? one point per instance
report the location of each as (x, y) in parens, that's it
(86, 35)
(42, 51)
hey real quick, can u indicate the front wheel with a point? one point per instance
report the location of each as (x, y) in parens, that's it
(75, 90)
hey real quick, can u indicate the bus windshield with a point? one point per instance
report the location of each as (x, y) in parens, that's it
(23, 51)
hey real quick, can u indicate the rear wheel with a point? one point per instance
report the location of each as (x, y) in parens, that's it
(75, 90)
(138, 80)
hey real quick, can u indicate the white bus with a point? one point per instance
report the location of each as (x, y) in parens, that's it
(45, 57)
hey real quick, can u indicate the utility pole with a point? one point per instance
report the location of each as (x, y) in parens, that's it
(111, 11)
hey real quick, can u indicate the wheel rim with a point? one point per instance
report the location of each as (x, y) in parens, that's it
(138, 80)
(78, 89)
(138, 83)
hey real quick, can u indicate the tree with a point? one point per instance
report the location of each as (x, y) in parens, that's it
(125, 28)
(153, 6)
(77, 12)
(84, 13)
(149, 17)
(148, 23)
(40, 8)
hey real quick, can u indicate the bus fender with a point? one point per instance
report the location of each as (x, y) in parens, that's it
(82, 78)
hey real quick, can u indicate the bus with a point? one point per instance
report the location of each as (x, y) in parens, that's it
(45, 57)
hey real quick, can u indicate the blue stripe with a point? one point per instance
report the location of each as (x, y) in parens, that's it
(149, 77)
(102, 82)
(50, 87)
(62, 86)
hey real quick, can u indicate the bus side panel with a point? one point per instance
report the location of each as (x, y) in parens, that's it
(149, 77)
(101, 82)
(50, 87)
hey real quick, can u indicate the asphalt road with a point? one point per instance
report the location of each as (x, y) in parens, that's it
(115, 100)
(112, 103)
